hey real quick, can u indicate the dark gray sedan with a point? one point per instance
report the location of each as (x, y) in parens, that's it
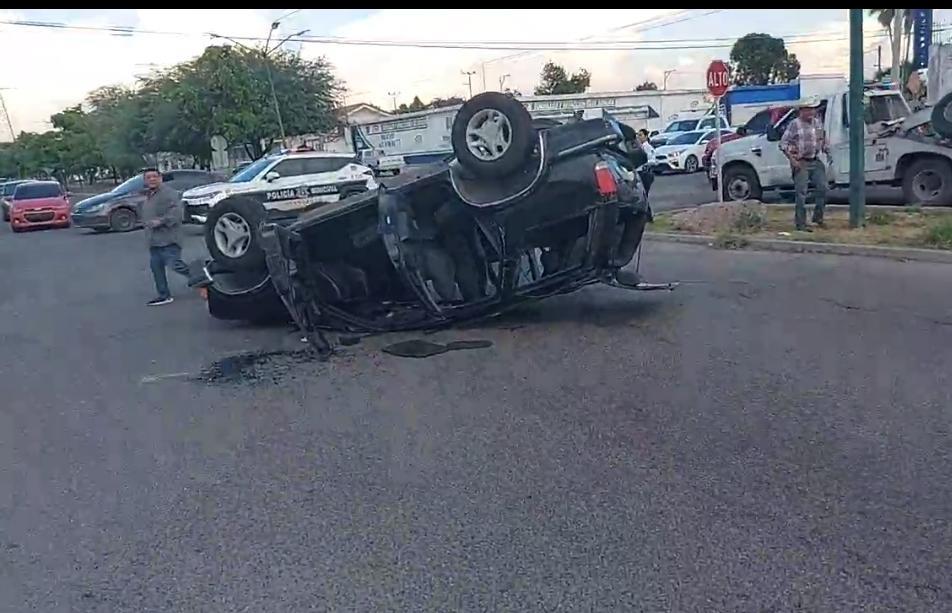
(119, 210)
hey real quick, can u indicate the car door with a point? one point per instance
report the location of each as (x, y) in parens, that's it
(291, 173)
(329, 175)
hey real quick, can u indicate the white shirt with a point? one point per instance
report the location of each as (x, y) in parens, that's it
(649, 151)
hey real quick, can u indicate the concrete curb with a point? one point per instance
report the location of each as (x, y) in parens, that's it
(770, 244)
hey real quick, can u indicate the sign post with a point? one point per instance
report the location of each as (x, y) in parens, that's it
(718, 80)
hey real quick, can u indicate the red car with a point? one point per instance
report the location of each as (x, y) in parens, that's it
(39, 204)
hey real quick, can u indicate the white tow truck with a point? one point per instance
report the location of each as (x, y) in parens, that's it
(901, 149)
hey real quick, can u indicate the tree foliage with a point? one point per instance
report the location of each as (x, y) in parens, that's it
(417, 105)
(647, 86)
(761, 59)
(555, 80)
(225, 90)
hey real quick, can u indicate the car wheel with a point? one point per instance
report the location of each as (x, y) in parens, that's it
(741, 183)
(928, 182)
(231, 234)
(690, 164)
(122, 220)
(492, 135)
(942, 116)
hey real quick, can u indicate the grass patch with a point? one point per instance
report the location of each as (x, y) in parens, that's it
(939, 234)
(929, 228)
(880, 218)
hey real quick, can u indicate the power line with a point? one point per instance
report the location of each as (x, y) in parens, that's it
(526, 46)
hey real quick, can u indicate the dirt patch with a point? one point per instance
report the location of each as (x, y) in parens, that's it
(255, 367)
(716, 218)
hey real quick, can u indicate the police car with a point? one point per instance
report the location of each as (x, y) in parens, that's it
(276, 187)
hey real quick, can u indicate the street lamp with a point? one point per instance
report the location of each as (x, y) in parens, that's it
(267, 66)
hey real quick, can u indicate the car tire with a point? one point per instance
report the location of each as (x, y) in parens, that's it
(245, 296)
(123, 220)
(690, 164)
(734, 177)
(942, 116)
(928, 182)
(487, 153)
(232, 233)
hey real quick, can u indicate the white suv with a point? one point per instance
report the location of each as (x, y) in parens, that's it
(289, 183)
(272, 189)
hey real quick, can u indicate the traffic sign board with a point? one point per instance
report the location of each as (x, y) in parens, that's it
(718, 78)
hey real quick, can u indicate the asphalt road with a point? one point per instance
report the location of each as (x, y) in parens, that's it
(680, 190)
(774, 435)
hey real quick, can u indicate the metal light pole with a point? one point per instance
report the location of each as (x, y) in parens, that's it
(857, 158)
(267, 67)
(393, 96)
(6, 115)
(469, 80)
(664, 86)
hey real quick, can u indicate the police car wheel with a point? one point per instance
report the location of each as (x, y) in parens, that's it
(231, 234)
(492, 135)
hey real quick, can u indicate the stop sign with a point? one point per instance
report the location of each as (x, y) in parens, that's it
(717, 78)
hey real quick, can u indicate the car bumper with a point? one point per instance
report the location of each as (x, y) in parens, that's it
(90, 220)
(195, 213)
(20, 221)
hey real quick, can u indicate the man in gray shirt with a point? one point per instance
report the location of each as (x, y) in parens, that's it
(162, 218)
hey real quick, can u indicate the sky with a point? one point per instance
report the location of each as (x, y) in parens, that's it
(47, 69)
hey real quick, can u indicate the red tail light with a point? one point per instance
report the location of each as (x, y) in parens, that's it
(605, 180)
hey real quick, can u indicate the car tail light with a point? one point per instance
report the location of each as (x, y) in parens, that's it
(605, 180)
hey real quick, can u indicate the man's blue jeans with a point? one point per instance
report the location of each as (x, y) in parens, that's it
(159, 258)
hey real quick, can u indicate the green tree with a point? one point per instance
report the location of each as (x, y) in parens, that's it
(555, 80)
(647, 86)
(897, 41)
(761, 59)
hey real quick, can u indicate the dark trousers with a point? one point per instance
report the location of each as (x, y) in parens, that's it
(810, 171)
(159, 258)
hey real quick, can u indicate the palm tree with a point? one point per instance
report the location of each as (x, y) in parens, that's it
(893, 21)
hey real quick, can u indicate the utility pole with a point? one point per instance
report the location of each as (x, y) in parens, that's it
(267, 66)
(879, 60)
(664, 86)
(393, 96)
(469, 80)
(6, 115)
(857, 158)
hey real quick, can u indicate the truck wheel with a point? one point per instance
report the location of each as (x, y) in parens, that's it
(942, 116)
(492, 135)
(741, 183)
(927, 181)
(690, 164)
(122, 220)
(231, 234)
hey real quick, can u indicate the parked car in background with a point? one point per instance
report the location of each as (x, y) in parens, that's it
(39, 204)
(680, 126)
(683, 153)
(120, 209)
(6, 192)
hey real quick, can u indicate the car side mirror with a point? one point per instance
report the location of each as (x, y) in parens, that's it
(271, 176)
(652, 134)
(772, 134)
(705, 141)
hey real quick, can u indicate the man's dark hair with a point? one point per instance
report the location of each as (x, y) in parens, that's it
(643, 132)
(150, 169)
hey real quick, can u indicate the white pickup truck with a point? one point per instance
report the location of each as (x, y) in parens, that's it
(901, 150)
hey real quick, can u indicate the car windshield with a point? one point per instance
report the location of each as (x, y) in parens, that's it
(688, 138)
(682, 126)
(250, 172)
(131, 185)
(8, 188)
(33, 191)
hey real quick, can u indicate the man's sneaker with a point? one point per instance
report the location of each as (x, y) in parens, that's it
(159, 301)
(804, 229)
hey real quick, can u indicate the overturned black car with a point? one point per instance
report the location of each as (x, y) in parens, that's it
(524, 211)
